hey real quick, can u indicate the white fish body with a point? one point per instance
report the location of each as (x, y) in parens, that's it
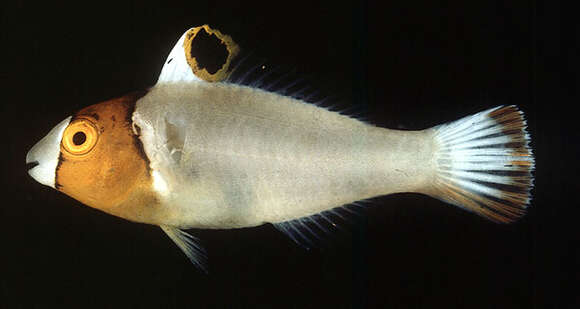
(194, 151)
(234, 156)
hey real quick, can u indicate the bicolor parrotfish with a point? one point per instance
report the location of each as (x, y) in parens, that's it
(199, 151)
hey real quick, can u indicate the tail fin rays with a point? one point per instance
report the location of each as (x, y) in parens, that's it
(484, 164)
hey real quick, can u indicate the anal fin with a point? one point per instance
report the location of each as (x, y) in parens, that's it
(320, 229)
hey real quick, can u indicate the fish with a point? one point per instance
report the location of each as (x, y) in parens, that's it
(197, 150)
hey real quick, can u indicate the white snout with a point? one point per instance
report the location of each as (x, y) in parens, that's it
(46, 153)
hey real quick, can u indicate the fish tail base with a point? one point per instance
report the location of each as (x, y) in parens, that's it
(484, 164)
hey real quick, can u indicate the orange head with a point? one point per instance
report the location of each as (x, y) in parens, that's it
(97, 158)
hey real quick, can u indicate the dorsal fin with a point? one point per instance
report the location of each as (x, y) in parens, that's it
(201, 54)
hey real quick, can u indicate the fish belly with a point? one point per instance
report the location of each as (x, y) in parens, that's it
(233, 156)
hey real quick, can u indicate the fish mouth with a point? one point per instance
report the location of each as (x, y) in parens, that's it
(32, 164)
(42, 159)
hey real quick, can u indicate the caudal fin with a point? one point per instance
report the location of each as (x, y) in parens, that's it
(484, 164)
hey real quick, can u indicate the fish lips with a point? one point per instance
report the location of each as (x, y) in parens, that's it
(43, 157)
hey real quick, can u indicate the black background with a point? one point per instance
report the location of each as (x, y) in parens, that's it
(407, 65)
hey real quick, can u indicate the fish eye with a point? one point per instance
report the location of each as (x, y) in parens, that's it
(80, 137)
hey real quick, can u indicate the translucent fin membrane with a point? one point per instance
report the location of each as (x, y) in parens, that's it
(484, 164)
(189, 245)
(320, 230)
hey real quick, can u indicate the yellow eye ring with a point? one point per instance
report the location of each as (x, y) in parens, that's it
(80, 137)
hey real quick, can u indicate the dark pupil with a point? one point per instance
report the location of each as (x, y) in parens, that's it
(79, 138)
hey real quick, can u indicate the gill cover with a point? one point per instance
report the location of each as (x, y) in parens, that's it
(201, 54)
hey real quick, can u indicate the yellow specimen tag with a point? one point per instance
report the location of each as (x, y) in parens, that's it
(209, 53)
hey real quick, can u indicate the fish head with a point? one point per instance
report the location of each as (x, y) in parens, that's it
(97, 156)
(94, 156)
